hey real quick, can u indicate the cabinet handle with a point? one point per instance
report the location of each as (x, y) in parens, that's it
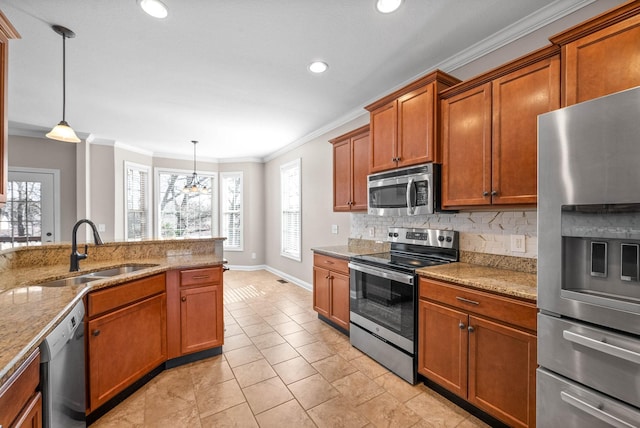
(485, 193)
(328, 262)
(472, 302)
(494, 193)
(184, 298)
(471, 329)
(461, 325)
(201, 277)
(96, 332)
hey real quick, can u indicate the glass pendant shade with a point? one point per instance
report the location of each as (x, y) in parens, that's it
(63, 132)
(194, 186)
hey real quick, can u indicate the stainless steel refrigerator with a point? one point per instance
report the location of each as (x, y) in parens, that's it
(589, 264)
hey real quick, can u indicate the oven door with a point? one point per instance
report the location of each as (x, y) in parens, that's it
(401, 195)
(383, 302)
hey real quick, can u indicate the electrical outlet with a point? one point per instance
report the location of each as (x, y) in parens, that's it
(334, 229)
(102, 227)
(253, 256)
(518, 244)
(372, 232)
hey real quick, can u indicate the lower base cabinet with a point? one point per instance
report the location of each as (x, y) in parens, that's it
(481, 347)
(126, 336)
(331, 289)
(20, 399)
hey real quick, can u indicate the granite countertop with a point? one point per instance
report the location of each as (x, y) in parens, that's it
(28, 313)
(503, 281)
(343, 251)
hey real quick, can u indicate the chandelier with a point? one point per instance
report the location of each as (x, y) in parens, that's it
(194, 185)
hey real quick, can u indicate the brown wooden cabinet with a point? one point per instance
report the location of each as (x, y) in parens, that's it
(7, 32)
(350, 169)
(403, 124)
(195, 310)
(20, 399)
(480, 346)
(126, 336)
(602, 55)
(489, 129)
(331, 289)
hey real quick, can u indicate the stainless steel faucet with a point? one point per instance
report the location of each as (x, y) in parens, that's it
(75, 255)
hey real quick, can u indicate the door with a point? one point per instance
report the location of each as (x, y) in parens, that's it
(359, 171)
(383, 138)
(415, 127)
(31, 215)
(201, 319)
(342, 176)
(340, 299)
(321, 292)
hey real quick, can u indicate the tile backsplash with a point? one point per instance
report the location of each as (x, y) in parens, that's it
(481, 231)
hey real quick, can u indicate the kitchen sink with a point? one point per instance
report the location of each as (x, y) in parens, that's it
(94, 276)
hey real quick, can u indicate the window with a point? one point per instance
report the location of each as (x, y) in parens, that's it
(231, 194)
(185, 215)
(290, 188)
(137, 213)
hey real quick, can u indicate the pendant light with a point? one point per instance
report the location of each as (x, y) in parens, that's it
(194, 186)
(62, 131)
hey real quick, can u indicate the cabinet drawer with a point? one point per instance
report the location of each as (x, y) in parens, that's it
(200, 276)
(501, 308)
(114, 297)
(331, 263)
(19, 389)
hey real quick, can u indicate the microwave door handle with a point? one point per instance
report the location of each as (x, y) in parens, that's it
(410, 207)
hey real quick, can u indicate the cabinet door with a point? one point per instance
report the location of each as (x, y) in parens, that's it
(466, 166)
(321, 291)
(201, 318)
(602, 63)
(125, 345)
(342, 176)
(339, 299)
(383, 138)
(359, 171)
(502, 368)
(31, 417)
(518, 99)
(443, 346)
(415, 127)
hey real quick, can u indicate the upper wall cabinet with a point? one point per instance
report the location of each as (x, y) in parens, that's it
(403, 124)
(6, 32)
(350, 169)
(489, 132)
(602, 55)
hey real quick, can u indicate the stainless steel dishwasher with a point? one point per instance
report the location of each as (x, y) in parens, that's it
(62, 373)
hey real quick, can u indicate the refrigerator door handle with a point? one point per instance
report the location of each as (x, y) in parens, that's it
(601, 346)
(595, 411)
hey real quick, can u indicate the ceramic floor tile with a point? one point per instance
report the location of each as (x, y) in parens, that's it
(289, 414)
(278, 318)
(257, 329)
(128, 414)
(249, 320)
(266, 395)
(397, 387)
(300, 338)
(239, 416)
(218, 397)
(334, 367)
(312, 391)
(243, 312)
(337, 413)
(169, 393)
(315, 351)
(472, 422)
(385, 411)
(346, 351)
(267, 340)
(231, 330)
(279, 353)
(241, 356)
(369, 367)
(287, 328)
(253, 372)
(436, 412)
(358, 388)
(234, 342)
(189, 417)
(293, 370)
(210, 371)
(304, 317)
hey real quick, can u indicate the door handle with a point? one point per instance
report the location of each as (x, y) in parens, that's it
(595, 411)
(95, 332)
(462, 299)
(461, 325)
(184, 298)
(601, 346)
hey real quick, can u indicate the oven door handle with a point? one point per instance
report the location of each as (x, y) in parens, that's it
(601, 346)
(394, 276)
(594, 410)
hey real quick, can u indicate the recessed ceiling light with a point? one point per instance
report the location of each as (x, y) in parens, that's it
(155, 8)
(388, 6)
(318, 67)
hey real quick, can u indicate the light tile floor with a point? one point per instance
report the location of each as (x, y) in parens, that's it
(282, 367)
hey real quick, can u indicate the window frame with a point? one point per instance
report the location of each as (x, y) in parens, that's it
(284, 168)
(149, 210)
(223, 210)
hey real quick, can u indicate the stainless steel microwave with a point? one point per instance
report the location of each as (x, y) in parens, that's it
(404, 192)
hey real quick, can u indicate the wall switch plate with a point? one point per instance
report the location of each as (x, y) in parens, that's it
(253, 256)
(334, 228)
(102, 227)
(518, 244)
(372, 232)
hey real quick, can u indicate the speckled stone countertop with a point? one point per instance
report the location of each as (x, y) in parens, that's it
(28, 312)
(503, 281)
(355, 247)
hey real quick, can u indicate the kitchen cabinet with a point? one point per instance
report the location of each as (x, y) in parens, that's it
(602, 55)
(331, 289)
(127, 339)
(7, 32)
(489, 128)
(195, 310)
(480, 346)
(403, 124)
(350, 170)
(20, 399)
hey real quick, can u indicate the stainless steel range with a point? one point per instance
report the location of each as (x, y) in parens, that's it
(588, 264)
(384, 295)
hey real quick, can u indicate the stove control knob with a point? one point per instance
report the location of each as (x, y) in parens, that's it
(390, 235)
(440, 238)
(395, 234)
(449, 239)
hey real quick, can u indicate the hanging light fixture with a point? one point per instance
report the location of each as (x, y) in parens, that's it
(62, 131)
(194, 185)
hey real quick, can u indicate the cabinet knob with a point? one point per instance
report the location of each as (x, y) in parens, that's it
(471, 329)
(184, 298)
(95, 332)
(485, 193)
(461, 325)
(494, 193)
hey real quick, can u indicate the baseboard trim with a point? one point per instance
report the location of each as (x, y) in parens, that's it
(283, 275)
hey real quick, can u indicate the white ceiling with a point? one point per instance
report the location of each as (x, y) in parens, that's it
(233, 73)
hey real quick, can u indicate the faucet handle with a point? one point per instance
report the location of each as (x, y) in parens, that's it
(86, 249)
